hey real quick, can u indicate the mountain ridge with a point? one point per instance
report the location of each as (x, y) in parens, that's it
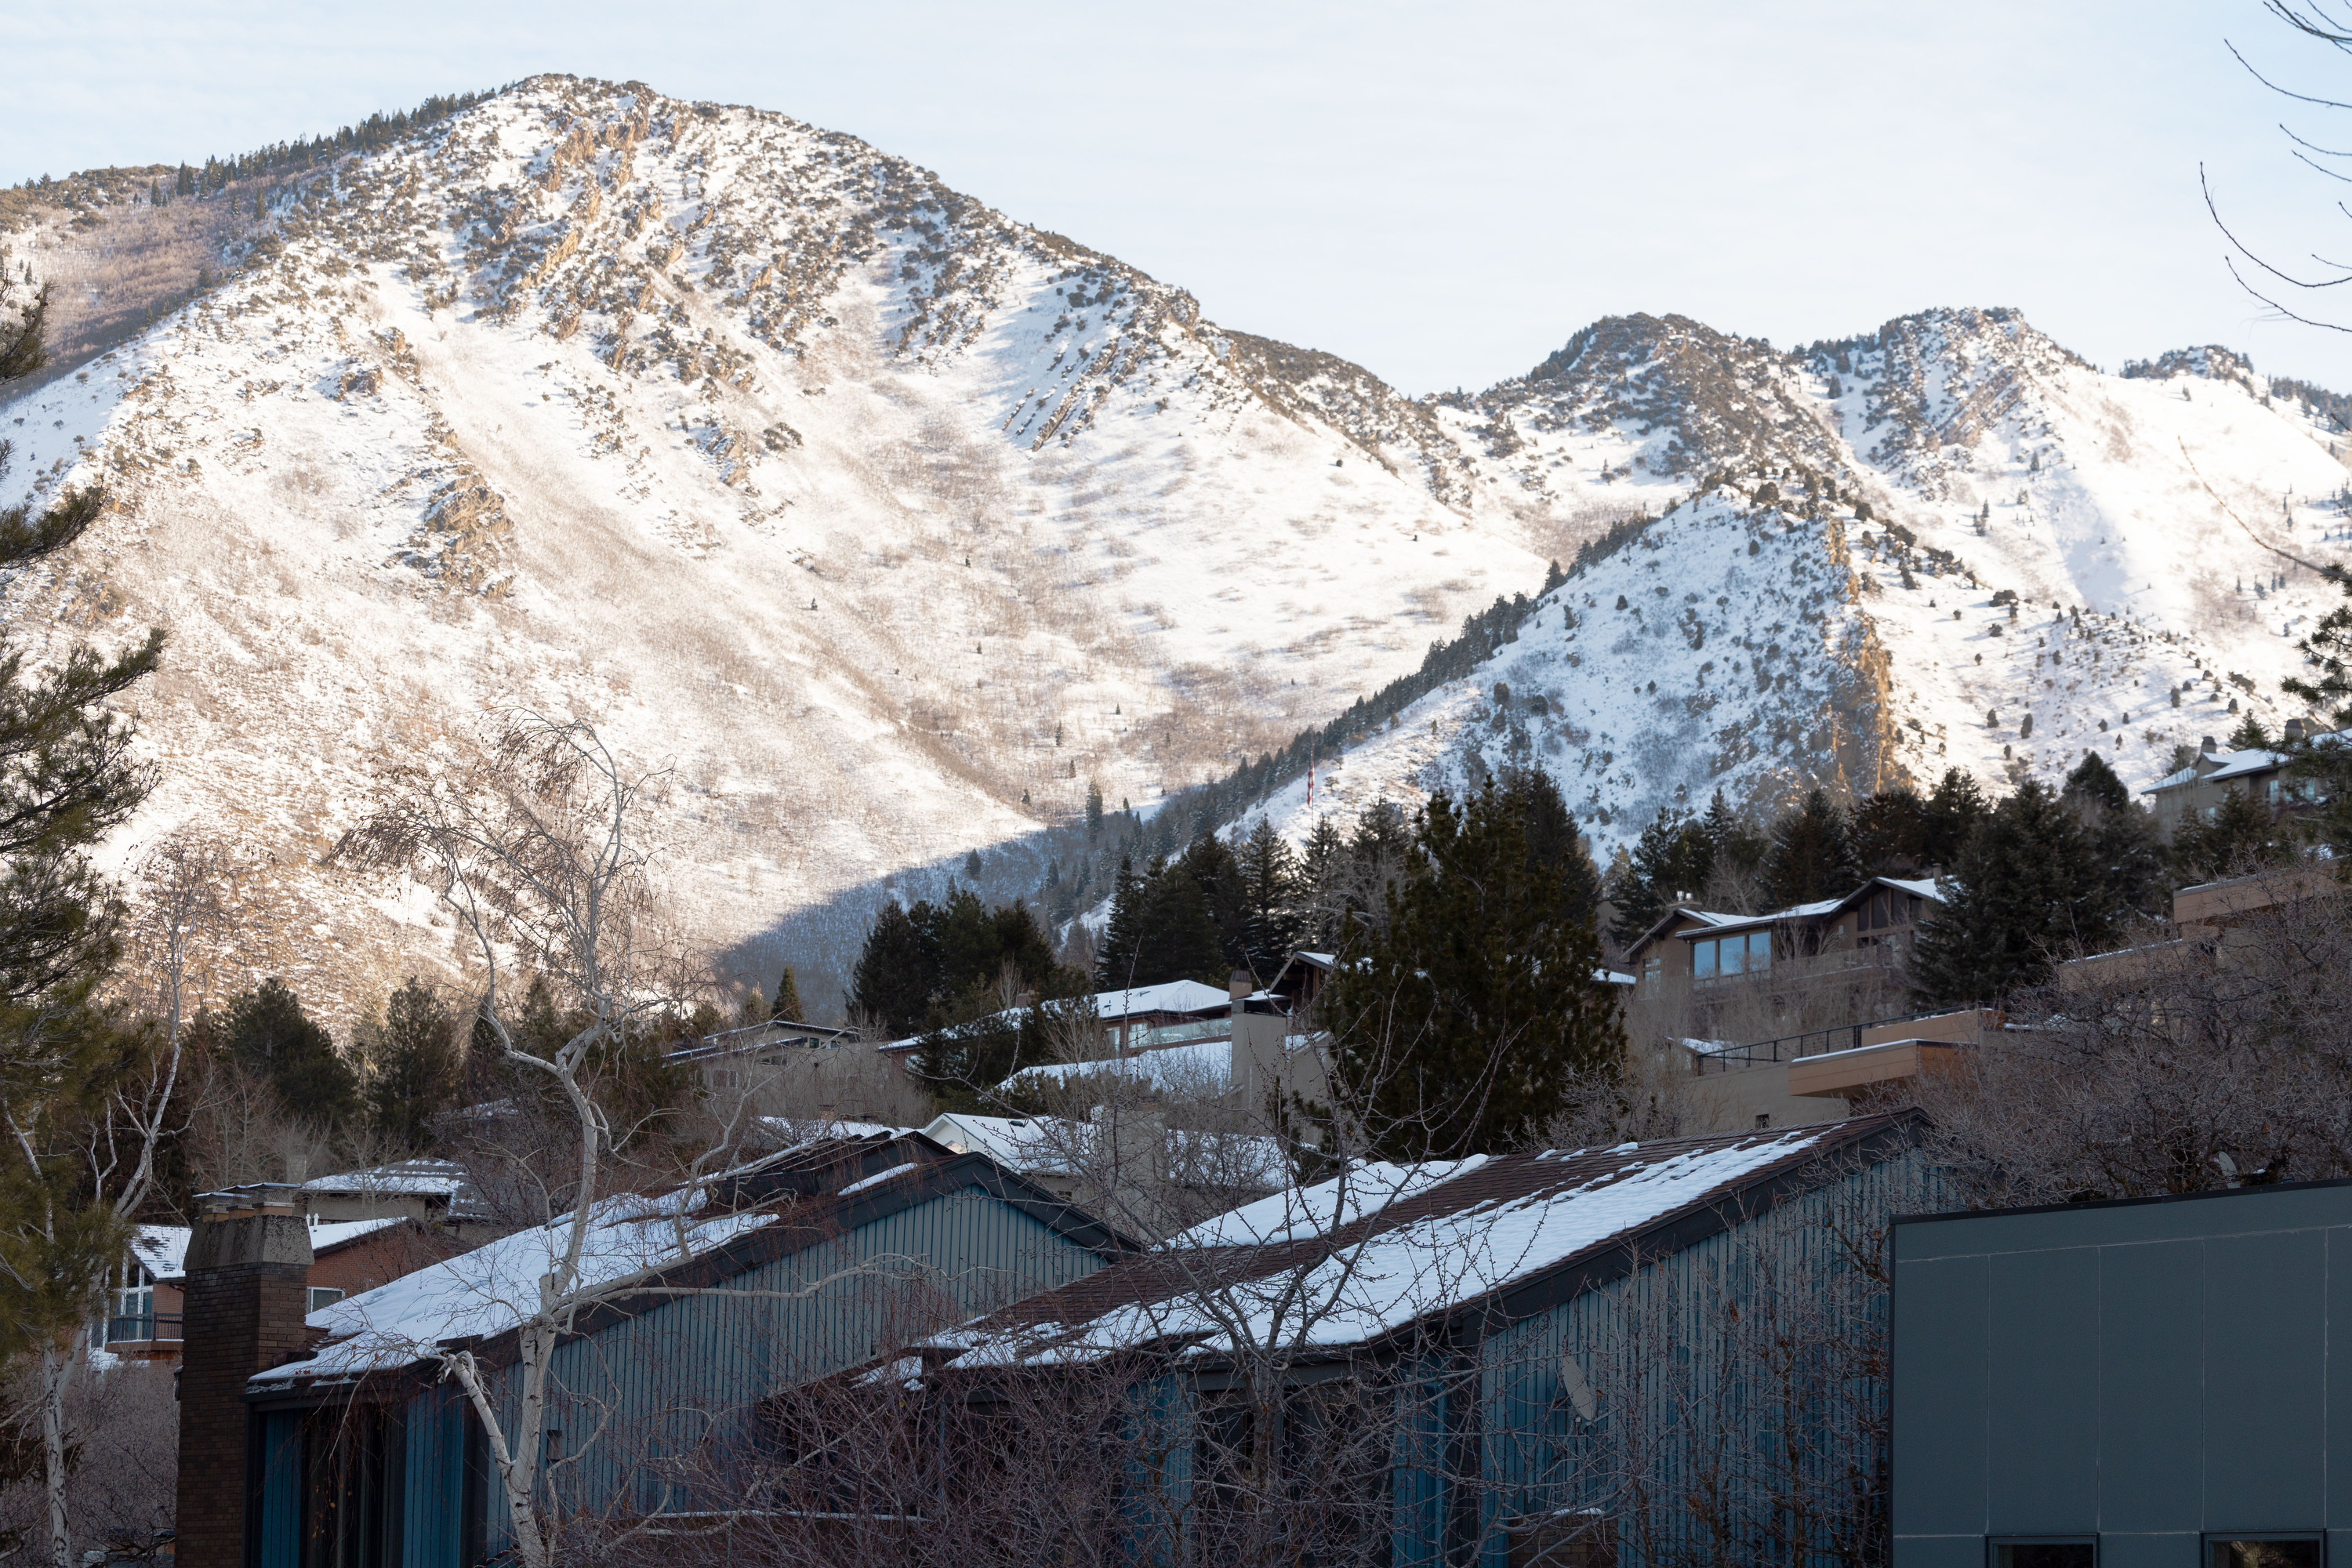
(891, 525)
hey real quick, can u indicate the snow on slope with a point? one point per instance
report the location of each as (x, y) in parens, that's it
(2128, 517)
(886, 522)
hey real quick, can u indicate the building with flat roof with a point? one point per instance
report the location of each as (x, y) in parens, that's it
(2148, 1382)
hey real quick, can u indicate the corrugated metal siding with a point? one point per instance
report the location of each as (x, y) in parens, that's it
(1682, 1434)
(281, 1490)
(434, 1483)
(1654, 1351)
(680, 1381)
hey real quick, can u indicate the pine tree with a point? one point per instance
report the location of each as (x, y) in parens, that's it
(1672, 860)
(1274, 898)
(2127, 856)
(1812, 854)
(1890, 831)
(1321, 866)
(1094, 809)
(971, 866)
(273, 1039)
(898, 972)
(1555, 849)
(1475, 1013)
(187, 183)
(1948, 815)
(413, 1065)
(1162, 929)
(786, 1008)
(2023, 891)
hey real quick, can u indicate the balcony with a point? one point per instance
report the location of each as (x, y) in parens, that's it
(150, 1334)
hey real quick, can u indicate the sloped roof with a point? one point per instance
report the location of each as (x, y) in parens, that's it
(790, 1199)
(2234, 765)
(1111, 1006)
(1389, 1247)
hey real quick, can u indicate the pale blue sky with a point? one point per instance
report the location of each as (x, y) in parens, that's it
(1442, 192)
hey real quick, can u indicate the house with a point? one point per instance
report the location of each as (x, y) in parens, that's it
(1137, 1018)
(1531, 1357)
(146, 1300)
(2149, 1381)
(333, 1437)
(435, 1192)
(2196, 791)
(1036, 1147)
(737, 1060)
(1698, 953)
(2211, 919)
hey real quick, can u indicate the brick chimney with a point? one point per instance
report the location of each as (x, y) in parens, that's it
(248, 1267)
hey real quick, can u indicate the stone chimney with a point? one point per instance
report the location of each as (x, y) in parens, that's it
(1239, 984)
(249, 1268)
(2295, 730)
(2209, 746)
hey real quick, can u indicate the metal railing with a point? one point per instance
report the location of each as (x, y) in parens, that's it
(1789, 1048)
(146, 1327)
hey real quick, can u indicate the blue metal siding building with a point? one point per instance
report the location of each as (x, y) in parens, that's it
(1706, 1384)
(2141, 1382)
(648, 1399)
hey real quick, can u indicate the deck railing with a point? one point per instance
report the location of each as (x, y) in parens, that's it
(145, 1327)
(1789, 1048)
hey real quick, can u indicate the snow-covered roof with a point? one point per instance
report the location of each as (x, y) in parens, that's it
(1385, 1244)
(2232, 765)
(429, 1178)
(1017, 1143)
(492, 1288)
(1202, 1068)
(1111, 1006)
(162, 1249)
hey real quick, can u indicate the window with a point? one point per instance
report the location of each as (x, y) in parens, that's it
(322, 1296)
(2058, 1551)
(134, 1315)
(2264, 1550)
(1750, 953)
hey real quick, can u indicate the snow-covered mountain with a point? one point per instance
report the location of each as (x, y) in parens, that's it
(888, 523)
(1966, 529)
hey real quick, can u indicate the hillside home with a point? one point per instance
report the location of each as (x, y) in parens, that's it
(333, 1437)
(146, 1302)
(1486, 1347)
(1700, 954)
(1137, 1018)
(2196, 791)
(738, 1061)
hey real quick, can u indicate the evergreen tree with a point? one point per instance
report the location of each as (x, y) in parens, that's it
(1211, 864)
(2239, 836)
(1812, 854)
(1670, 861)
(1321, 866)
(1475, 1009)
(898, 973)
(1734, 846)
(1094, 809)
(2249, 736)
(1161, 929)
(413, 1066)
(786, 1008)
(2025, 888)
(971, 866)
(1948, 815)
(270, 1036)
(1555, 849)
(1890, 832)
(186, 186)
(1272, 899)
(2127, 856)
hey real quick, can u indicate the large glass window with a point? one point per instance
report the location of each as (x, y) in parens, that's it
(2049, 1552)
(2264, 1550)
(1748, 953)
(323, 1296)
